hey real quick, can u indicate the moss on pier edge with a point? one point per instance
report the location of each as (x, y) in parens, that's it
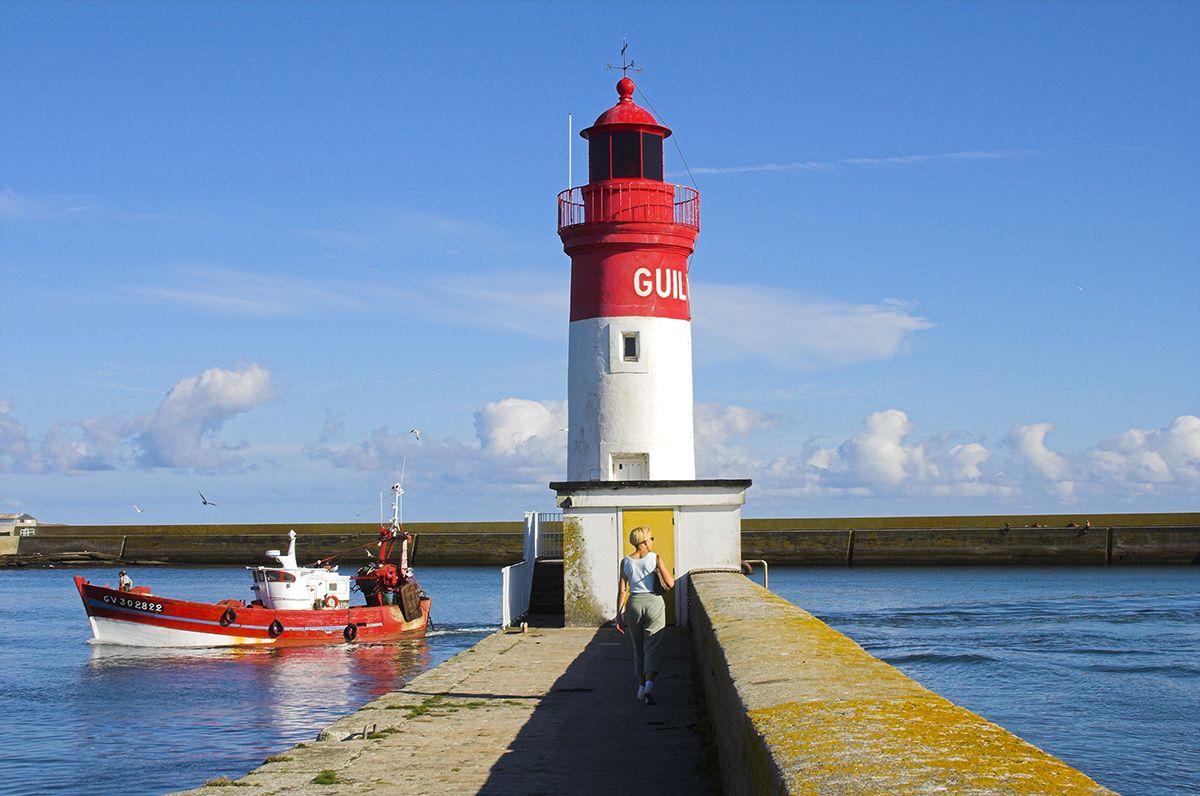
(819, 714)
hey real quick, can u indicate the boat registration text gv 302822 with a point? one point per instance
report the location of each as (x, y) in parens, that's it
(137, 605)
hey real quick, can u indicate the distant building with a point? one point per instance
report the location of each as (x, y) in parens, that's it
(17, 525)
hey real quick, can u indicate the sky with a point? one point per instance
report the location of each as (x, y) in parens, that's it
(948, 261)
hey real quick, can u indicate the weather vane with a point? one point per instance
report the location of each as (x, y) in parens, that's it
(626, 68)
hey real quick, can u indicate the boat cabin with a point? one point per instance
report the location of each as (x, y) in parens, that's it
(295, 588)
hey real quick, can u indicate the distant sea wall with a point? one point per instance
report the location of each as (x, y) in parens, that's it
(438, 544)
(1112, 539)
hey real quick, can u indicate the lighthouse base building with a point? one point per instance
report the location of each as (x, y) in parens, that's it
(696, 526)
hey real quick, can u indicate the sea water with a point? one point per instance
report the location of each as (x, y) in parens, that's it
(83, 718)
(1097, 666)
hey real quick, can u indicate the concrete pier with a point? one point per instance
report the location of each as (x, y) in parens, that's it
(552, 711)
(757, 696)
(800, 708)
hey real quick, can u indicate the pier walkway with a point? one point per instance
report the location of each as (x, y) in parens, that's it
(550, 711)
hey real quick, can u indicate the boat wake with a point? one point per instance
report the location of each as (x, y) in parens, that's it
(450, 630)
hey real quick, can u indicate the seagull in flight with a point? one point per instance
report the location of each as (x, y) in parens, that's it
(205, 500)
(138, 508)
(417, 432)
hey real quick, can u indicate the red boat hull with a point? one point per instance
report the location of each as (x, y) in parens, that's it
(142, 619)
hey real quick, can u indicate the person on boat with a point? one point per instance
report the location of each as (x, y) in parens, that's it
(642, 610)
(125, 582)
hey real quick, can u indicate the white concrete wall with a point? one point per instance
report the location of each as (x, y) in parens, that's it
(591, 559)
(618, 407)
(707, 535)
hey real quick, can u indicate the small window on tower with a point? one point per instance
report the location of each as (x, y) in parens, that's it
(629, 346)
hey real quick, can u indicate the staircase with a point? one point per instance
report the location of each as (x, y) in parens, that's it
(546, 594)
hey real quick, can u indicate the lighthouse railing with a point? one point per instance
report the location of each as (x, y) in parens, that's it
(629, 201)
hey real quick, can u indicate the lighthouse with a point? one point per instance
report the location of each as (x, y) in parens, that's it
(629, 235)
(631, 459)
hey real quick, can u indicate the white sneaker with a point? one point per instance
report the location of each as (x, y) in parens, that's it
(641, 690)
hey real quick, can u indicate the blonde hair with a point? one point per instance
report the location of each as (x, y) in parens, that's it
(638, 535)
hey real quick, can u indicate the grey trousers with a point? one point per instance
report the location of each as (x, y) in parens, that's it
(645, 616)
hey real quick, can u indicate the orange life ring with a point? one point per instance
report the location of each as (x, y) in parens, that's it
(331, 601)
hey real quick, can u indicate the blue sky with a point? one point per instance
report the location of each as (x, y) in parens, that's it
(948, 261)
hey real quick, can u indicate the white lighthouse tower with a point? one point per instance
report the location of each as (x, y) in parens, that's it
(630, 448)
(629, 236)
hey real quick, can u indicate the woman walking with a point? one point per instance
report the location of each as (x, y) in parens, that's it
(641, 610)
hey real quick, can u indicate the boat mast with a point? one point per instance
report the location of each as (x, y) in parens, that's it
(397, 495)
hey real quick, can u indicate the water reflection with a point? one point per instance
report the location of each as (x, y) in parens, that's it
(288, 687)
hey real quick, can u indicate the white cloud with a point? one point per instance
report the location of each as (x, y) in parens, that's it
(738, 322)
(520, 447)
(913, 160)
(899, 160)
(1162, 456)
(228, 291)
(93, 444)
(520, 427)
(66, 447)
(1029, 441)
(14, 439)
(20, 207)
(722, 439)
(883, 461)
(398, 232)
(183, 431)
(531, 304)
(761, 167)
(876, 456)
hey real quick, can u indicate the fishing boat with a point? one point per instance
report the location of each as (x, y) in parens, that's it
(292, 605)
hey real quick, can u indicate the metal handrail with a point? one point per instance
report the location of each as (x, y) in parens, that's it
(764, 566)
(550, 543)
(626, 201)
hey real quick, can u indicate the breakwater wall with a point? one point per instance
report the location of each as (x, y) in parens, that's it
(1114, 539)
(803, 709)
(438, 544)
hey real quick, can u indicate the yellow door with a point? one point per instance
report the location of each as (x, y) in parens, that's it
(661, 523)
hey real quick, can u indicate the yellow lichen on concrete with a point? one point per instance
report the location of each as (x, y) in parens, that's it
(824, 716)
(580, 608)
(913, 745)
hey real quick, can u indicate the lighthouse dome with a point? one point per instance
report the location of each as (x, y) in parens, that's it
(626, 114)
